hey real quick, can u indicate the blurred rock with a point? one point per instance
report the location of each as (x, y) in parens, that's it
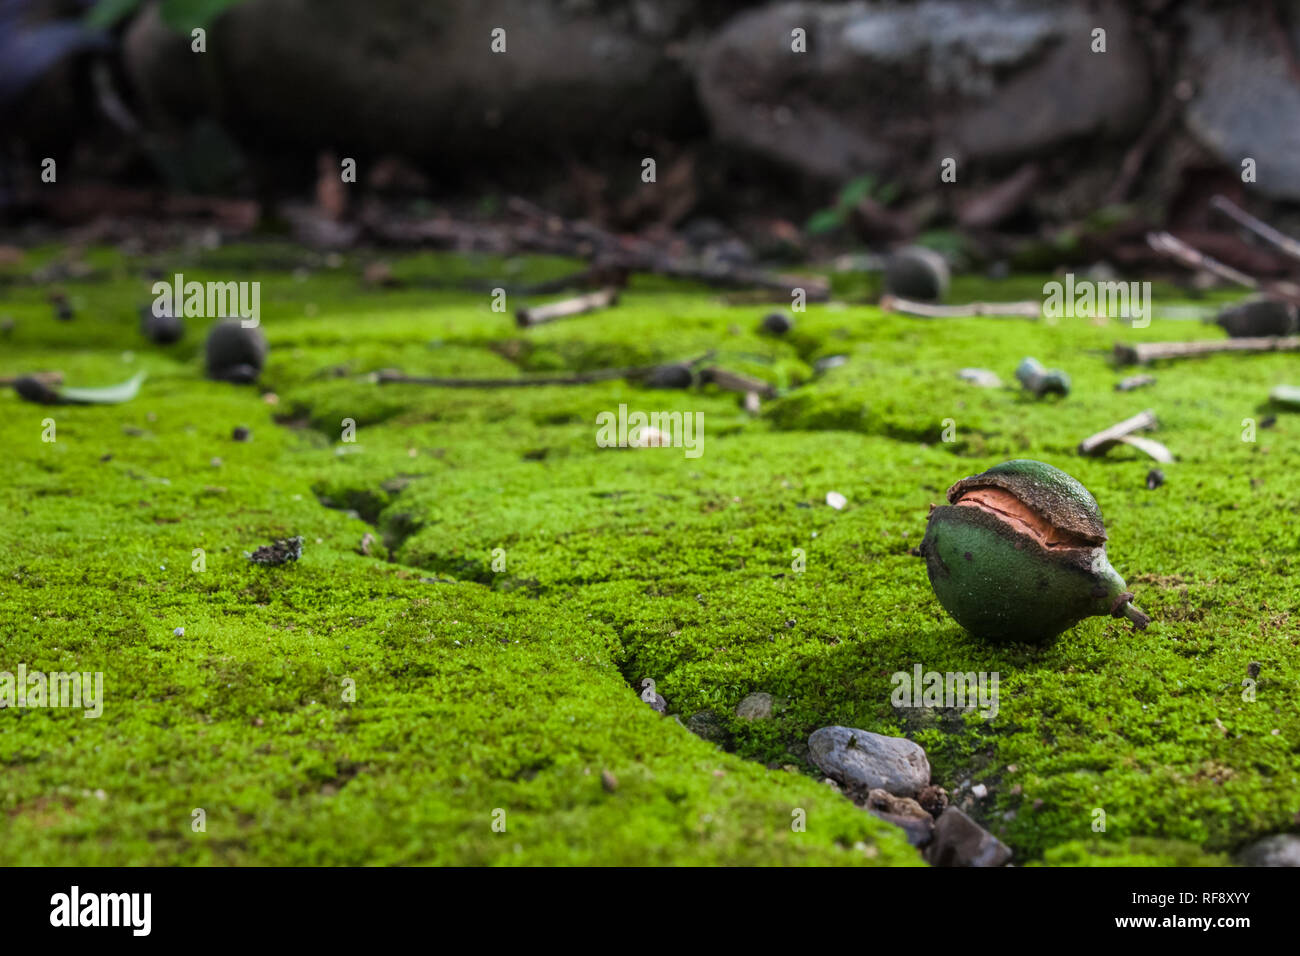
(960, 841)
(1244, 84)
(896, 88)
(574, 76)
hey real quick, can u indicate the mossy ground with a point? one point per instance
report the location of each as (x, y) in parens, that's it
(480, 689)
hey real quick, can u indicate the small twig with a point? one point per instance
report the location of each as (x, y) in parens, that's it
(735, 382)
(1145, 352)
(1278, 240)
(1098, 443)
(1134, 382)
(1176, 249)
(390, 376)
(1018, 310)
(578, 305)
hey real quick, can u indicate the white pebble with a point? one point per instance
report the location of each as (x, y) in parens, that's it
(980, 791)
(836, 500)
(179, 632)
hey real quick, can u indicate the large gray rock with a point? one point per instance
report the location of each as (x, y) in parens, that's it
(1282, 849)
(893, 88)
(1245, 86)
(421, 79)
(864, 761)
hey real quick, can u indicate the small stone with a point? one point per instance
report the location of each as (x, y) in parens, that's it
(777, 323)
(756, 706)
(865, 761)
(983, 377)
(918, 274)
(241, 433)
(62, 307)
(826, 363)
(883, 801)
(649, 437)
(960, 841)
(980, 791)
(919, 830)
(608, 781)
(161, 329)
(836, 500)
(234, 353)
(1256, 317)
(707, 725)
(1282, 849)
(278, 552)
(179, 632)
(653, 697)
(933, 799)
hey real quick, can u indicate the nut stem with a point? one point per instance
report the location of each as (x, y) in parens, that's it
(1135, 614)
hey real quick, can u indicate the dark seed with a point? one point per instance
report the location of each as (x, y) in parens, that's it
(1252, 669)
(241, 433)
(160, 329)
(235, 353)
(777, 323)
(670, 376)
(1155, 478)
(34, 390)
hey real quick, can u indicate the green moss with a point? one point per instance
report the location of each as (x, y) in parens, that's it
(483, 686)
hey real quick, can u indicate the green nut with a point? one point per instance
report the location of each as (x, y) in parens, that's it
(1019, 554)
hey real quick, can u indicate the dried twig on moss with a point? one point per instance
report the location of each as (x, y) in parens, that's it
(1193, 258)
(735, 382)
(1278, 240)
(1104, 439)
(650, 374)
(924, 310)
(1145, 352)
(566, 308)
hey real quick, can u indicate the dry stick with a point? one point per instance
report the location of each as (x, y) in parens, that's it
(1135, 381)
(1193, 258)
(565, 308)
(1026, 310)
(1279, 240)
(1145, 352)
(45, 378)
(1098, 443)
(735, 382)
(390, 376)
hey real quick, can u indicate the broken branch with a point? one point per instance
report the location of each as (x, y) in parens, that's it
(565, 308)
(1278, 240)
(1098, 443)
(1145, 352)
(1018, 310)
